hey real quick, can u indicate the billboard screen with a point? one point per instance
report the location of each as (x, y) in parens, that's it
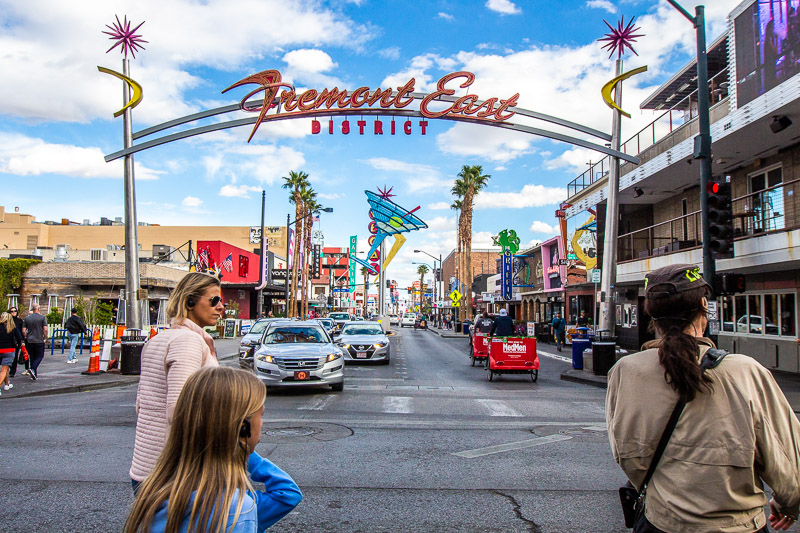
(767, 47)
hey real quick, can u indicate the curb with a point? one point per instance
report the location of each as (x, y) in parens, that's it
(448, 335)
(76, 388)
(585, 378)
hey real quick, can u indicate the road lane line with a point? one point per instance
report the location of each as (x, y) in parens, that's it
(319, 403)
(397, 404)
(511, 446)
(554, 356)
(499, 408)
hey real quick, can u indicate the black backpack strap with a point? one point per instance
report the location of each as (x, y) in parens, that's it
(712, 358)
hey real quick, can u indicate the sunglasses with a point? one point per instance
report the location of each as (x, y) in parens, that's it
(215, 300)
(12, 310)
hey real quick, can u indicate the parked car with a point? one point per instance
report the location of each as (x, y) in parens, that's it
(299, 354)
(420, 322)
(755, 325)
(364, 341)
(394, 320)
(339, 318)
(252, 341)
(408, 320)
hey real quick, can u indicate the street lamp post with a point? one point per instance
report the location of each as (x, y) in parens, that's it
(289, 225)
(435, 283)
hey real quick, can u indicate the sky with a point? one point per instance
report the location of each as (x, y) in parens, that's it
(56, 109)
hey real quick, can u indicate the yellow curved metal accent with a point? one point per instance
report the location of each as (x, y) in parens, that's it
(399, 240)
(590, 262)
(137, 89)
(607, 88)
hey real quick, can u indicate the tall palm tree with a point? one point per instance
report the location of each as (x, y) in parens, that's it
(294, 182)
(421, 270)
(309, 197)
(365, 273)
(473, 180)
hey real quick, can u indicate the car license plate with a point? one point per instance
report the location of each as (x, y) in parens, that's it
(302, 375)
(361, 355)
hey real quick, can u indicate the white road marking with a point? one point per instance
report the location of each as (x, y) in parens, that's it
(592, 406)
(520, 445)
(319, 403)
(554, 356)
(499, 408)
(397, 404)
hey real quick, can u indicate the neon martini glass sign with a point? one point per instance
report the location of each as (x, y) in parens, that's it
(390, 219)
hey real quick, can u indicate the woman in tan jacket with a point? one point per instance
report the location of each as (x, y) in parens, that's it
(168, 359)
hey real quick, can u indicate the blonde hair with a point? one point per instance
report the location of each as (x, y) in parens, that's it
(8, 320)
(204, 452)
(193, 285)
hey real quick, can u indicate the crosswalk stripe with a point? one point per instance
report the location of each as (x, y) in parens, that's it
(511, 446)
(397, 404)
(318, 403)
(498, 408)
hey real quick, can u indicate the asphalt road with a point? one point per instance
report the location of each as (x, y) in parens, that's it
(426, 443)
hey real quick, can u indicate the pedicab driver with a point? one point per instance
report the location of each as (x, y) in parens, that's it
(503, 325)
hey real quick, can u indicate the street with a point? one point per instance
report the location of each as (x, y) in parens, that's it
(426, 443)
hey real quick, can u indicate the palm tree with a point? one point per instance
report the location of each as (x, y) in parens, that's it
(473, 180)
(294, 182)
(309, 198)
(421, 270)
(365, 273)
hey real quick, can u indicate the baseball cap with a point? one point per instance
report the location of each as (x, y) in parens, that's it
(503, 312)
(673, 279)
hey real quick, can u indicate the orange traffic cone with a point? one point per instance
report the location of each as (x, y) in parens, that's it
(94, 357)
(153, 332)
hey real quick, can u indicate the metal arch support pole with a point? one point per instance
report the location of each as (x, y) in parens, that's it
(609, 273)
(133, 315)
(261, 260)
(286, 282)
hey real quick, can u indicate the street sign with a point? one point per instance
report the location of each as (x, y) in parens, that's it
(343, 289)
(572, 256)
(596, 275)
(455, 296)
(563, 262)
(713, 314)
(428, 295)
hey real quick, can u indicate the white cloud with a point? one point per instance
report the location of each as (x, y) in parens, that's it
(192, 201)
(417, 70)
(602, 4)
(504, 7)
(392, 52)
(237, 191)
(418, 177)
(438, 206)
(530, 196)
(331, 196)
(262, 163)
(479, 141)
(309, 65)
(27, 156)
(575, 160)
(55, 42)
(543, 227)
(446, 16)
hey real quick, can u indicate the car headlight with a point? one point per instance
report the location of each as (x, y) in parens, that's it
(333, 356)
(265, 358)
(380, 344)
(344, 345)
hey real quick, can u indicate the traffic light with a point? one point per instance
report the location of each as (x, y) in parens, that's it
(720, 219)
(733, 283)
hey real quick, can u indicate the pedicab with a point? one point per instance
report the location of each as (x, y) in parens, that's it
(512, 355)
(479, 348)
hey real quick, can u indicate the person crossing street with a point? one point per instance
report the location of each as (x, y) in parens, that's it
(74, 326)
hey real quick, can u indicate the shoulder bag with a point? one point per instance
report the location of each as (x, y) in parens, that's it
(633, 500)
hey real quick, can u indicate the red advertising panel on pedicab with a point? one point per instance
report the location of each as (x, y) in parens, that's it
(513, 355)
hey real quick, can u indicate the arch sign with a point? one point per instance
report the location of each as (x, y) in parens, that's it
(281, 101)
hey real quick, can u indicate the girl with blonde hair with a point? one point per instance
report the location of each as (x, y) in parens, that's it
(10, 340)
(168, 359)
(200, 481)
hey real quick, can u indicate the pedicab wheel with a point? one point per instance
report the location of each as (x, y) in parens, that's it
(534, 375)
(491, 375)
(473, 360)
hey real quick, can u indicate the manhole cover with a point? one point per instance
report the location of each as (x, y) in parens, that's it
(277, 432)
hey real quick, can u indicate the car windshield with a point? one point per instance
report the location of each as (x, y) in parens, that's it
(295, 334)
(259, 326)
(339, 316)
(327, 321)
(362, 329)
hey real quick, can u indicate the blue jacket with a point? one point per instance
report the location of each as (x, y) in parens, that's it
(559, 324)
(260, 510)
(503, 326)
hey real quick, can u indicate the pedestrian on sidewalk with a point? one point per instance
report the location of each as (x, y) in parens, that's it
(735, 431)
(18, 356)
(200, 482)
(168, 359)
(10, 339)
(74, 326)
(559, 331)
(34, 329)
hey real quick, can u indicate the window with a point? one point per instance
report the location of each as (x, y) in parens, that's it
(787, 315)
(760, 314)
(766, 200)
(741, 314)
(244, 266)
(727, 313)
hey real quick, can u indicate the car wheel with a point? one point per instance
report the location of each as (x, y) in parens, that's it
(337, 387)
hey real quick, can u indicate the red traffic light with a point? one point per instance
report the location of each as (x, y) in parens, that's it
(713, 187)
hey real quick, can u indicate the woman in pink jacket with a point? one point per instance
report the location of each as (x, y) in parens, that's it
(168, 359)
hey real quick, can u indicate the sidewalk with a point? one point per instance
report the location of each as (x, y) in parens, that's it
(57, 377)
(448, 333)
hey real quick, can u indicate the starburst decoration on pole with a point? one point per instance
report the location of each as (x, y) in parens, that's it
(620, 37)
(122, 33)
(386, 193)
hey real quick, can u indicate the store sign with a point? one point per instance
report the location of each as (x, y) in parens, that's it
(507, 275)
(285, 97)
(353, 251)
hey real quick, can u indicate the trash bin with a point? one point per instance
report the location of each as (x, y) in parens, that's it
(578, 346)
(604, 352)
(130, 358)
(466, 326)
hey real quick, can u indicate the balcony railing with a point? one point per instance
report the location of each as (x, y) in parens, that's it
(678, 115)
(754, 214)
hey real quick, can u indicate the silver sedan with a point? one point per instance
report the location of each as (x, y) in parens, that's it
(299, 354)
(364, 341)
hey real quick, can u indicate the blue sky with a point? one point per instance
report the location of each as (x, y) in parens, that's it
(56, 109)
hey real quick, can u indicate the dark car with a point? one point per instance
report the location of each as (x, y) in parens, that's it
(420, 322)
